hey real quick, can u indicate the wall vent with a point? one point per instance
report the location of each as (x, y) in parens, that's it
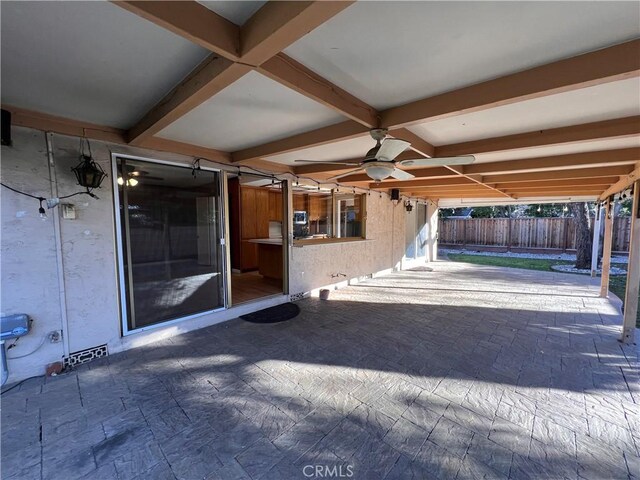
(297, 296)
(84, 356)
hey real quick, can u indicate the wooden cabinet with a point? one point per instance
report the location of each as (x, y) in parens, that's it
(248, 256)
(262, 213)
(252, 208)
(300, 202)
(248, 213)
(275, 206)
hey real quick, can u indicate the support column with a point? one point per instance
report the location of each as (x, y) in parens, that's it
(597, 227)
(633, 272)
(606, 254)
(432, 231)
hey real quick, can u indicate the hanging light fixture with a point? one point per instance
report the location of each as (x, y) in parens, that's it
(131, 182)
(88, 173)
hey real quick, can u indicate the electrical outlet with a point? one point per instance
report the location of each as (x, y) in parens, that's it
(55, 336)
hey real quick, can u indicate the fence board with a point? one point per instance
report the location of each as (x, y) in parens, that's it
(538, 233)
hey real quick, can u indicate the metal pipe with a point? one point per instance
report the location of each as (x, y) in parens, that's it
(53, 180)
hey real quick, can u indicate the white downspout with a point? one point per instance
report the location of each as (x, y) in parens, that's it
(58, 246)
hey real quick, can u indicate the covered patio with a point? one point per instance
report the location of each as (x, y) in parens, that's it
(450, 371)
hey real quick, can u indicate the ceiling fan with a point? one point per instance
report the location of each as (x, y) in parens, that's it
(379, 162)
(133, 175)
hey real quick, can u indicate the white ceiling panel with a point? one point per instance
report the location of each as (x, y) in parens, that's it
(252, 111)
(602, 102)
(391, 53)
(345, 149)
(90, 61)
(563, 149)
(238, 11)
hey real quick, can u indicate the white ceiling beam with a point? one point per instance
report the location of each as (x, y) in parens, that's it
(595, 68)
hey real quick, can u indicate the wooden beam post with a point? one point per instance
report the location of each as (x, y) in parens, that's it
(432, 231)
(606, 254)
(633, 272)
(595, 245)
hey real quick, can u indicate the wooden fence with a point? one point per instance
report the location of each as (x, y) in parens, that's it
(523, 233)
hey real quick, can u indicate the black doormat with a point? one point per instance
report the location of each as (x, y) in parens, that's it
(276, 314)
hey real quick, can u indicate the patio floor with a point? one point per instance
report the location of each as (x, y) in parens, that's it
(462, 372)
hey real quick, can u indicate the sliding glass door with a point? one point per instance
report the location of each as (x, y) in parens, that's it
(170, 240)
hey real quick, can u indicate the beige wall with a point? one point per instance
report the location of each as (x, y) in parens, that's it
(63, 273)
(312, 266)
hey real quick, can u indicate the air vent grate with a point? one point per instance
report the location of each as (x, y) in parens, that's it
(84, 356)
(297, 296)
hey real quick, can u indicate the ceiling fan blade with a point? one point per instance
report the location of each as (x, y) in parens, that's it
(401, 174)
(438, 161)
(335, 177)
(391, 148)
(328, 163)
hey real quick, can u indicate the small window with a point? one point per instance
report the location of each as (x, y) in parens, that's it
(327, 215)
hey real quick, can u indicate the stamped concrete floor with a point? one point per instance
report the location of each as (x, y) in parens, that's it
(463, 372)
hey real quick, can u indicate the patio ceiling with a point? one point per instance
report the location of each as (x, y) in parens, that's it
(541, 92)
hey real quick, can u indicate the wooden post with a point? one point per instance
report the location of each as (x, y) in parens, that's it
(432, 231)
(633, 272)
(595, 249)
(508, 234)
(566, 234)
(606, 254)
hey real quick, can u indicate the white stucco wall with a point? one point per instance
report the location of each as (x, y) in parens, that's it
(312, 266)
(28, 266)
(34, 267)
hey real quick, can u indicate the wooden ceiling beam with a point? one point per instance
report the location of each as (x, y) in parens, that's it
(607, 129)
(432, 192)
(624, 182)
(74, 128)
(594, 68)
(559, 174)
(557, 162)
(483, 194)
(419, 183)
(321, 136)
(239, 50)
(320, 167)
(577, 182)
(276, 25)
(430, 172)
(292, 74)
(558, 191)
(192, 21)
(418, 144)
(210, 77)
(22, 117)
(476, 178)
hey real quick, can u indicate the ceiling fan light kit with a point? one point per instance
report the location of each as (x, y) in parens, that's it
(379, 162)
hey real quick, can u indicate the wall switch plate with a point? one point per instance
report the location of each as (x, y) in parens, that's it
(68, 211)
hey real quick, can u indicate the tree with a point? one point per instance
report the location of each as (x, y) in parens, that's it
(580, 212)
(544, 210)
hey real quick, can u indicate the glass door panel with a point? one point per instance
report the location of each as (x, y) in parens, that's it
(171, 231)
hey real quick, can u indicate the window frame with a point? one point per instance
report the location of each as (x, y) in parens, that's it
(125, 330)
(334, 222)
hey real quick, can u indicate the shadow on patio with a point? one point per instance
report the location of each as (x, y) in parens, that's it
(380, 382)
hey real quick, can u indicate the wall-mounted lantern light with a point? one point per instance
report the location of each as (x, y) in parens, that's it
(408, 206)
(88, 173)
